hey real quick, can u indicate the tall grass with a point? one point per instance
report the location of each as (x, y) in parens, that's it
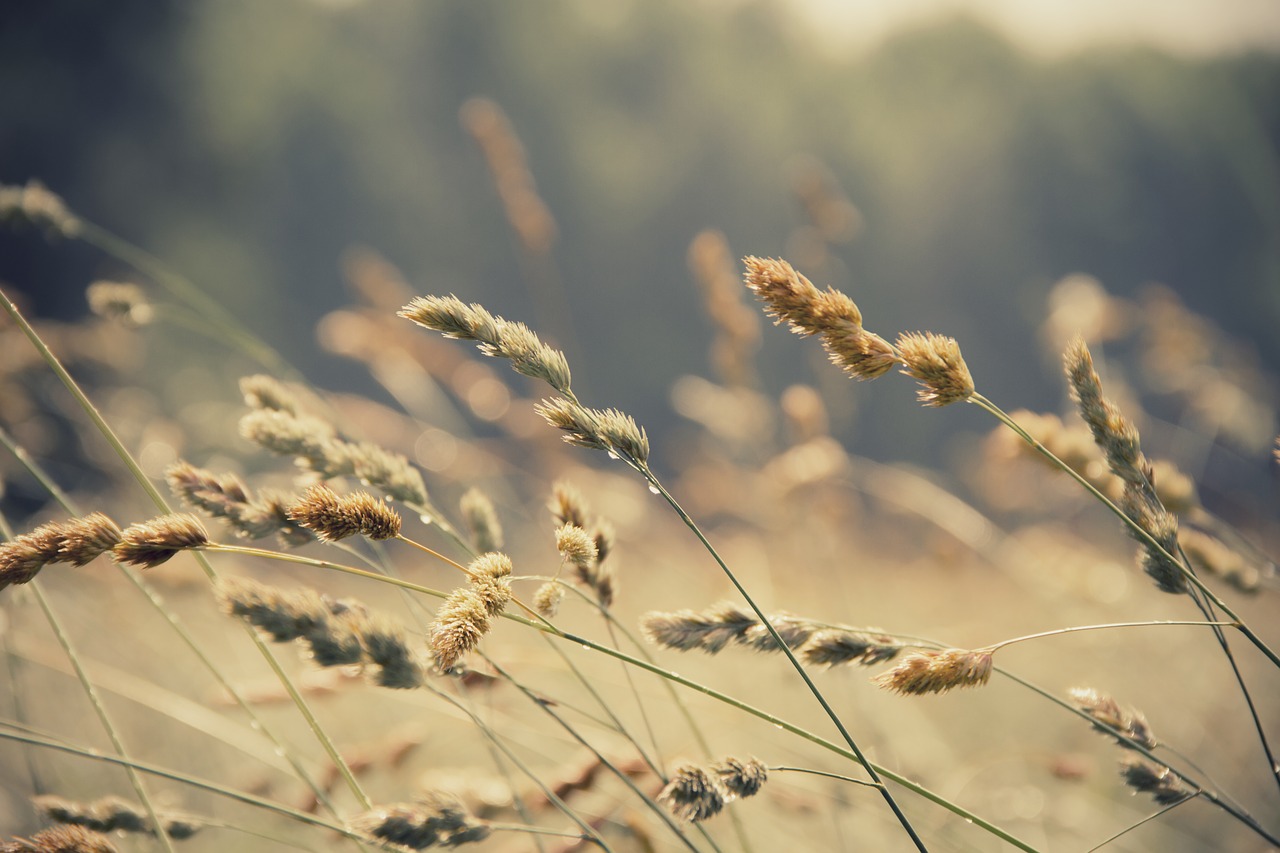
(438, 626)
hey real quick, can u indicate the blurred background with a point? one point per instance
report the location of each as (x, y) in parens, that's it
(985, 152)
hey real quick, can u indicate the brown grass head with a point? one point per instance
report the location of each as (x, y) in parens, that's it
(333, 517)
(437, 819)
(150, 543)
(460, 622)
(741, 778)
(22, 557)
(61, 839)
(84, 539)
(937, 671)
(1160, 782)
(1131, 723)
(836, 647)
(693, 794)
(598, 429)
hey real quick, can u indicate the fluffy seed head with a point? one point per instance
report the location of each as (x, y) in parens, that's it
(494, 592)
(693, 794)
(547, 598)
(150, 543)
(935, 362)
(492, 565)
(742, 778)
(22, 557)
(576, 546)
(61, 839)
(335, 517)
(83, 539)
(460, 622)
(937, 671)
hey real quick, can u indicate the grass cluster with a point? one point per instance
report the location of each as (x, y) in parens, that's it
(339, 624)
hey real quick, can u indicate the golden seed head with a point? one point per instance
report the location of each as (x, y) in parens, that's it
(310, 439)
(61, 839)
(22, 557)
(833, 647)
(576, 546)
(935, 362)
(150, 543)
(481, 519)
(1130, 722)
(494, 592)
(1112, 432)
(937, 671)
(693, 794)
(491, 565)
(547, 599)
(791, 298)
(598, 429)
(83, 539)
(460, 622)
(391, 472)
(335, 517)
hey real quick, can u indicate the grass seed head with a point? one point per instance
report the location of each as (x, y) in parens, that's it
(333, 517)
(935, 362)
(547, 599)
(460, 622)
(482, 520)
(22, 557)
(1160, 782)
(150, 543)
(124, 303)
(61, 839)
(693, 794)
(741, 778)
(937, 671)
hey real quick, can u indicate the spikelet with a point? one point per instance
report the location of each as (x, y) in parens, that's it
(834, 647)
(387, 649)
(61, 839)
(460, 622)
(224, 496)
(482, 520)
(150, 543)
(741, 778)
(1129, 722)
(1118, 439)
(1160, 782)
(709, 631)
(22, 557)
(436, 819)
(547, 599)
(266, 392)
(693, 794)
(334, 517)
(935, 362)
(112, 814)
(567, 505)
(791, 298)
(937, 671)
(84, 539)
(598, 429)
(495, 337)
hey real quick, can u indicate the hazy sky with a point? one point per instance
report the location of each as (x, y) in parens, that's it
(1195, 27)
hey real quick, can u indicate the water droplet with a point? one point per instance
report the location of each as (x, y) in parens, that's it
(586, 647)
(613, 455)
(654, 489)
(364, 481)
(778, 726)
(425, 519)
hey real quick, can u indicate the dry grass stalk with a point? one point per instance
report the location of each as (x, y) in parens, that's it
(737, 327)
(937, 671)
(532, 222)
(113, 814)
(333, 517)
(150, 543)
(437, 819)
(61, 839)
(1118, 439)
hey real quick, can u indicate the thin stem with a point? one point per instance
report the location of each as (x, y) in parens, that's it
(441, 557)
(101, 710)
(158, 499)
(795, 663)
(814, 772)
(1146, 819)
(673, 677)
(1239, 624)
(1077, 628)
